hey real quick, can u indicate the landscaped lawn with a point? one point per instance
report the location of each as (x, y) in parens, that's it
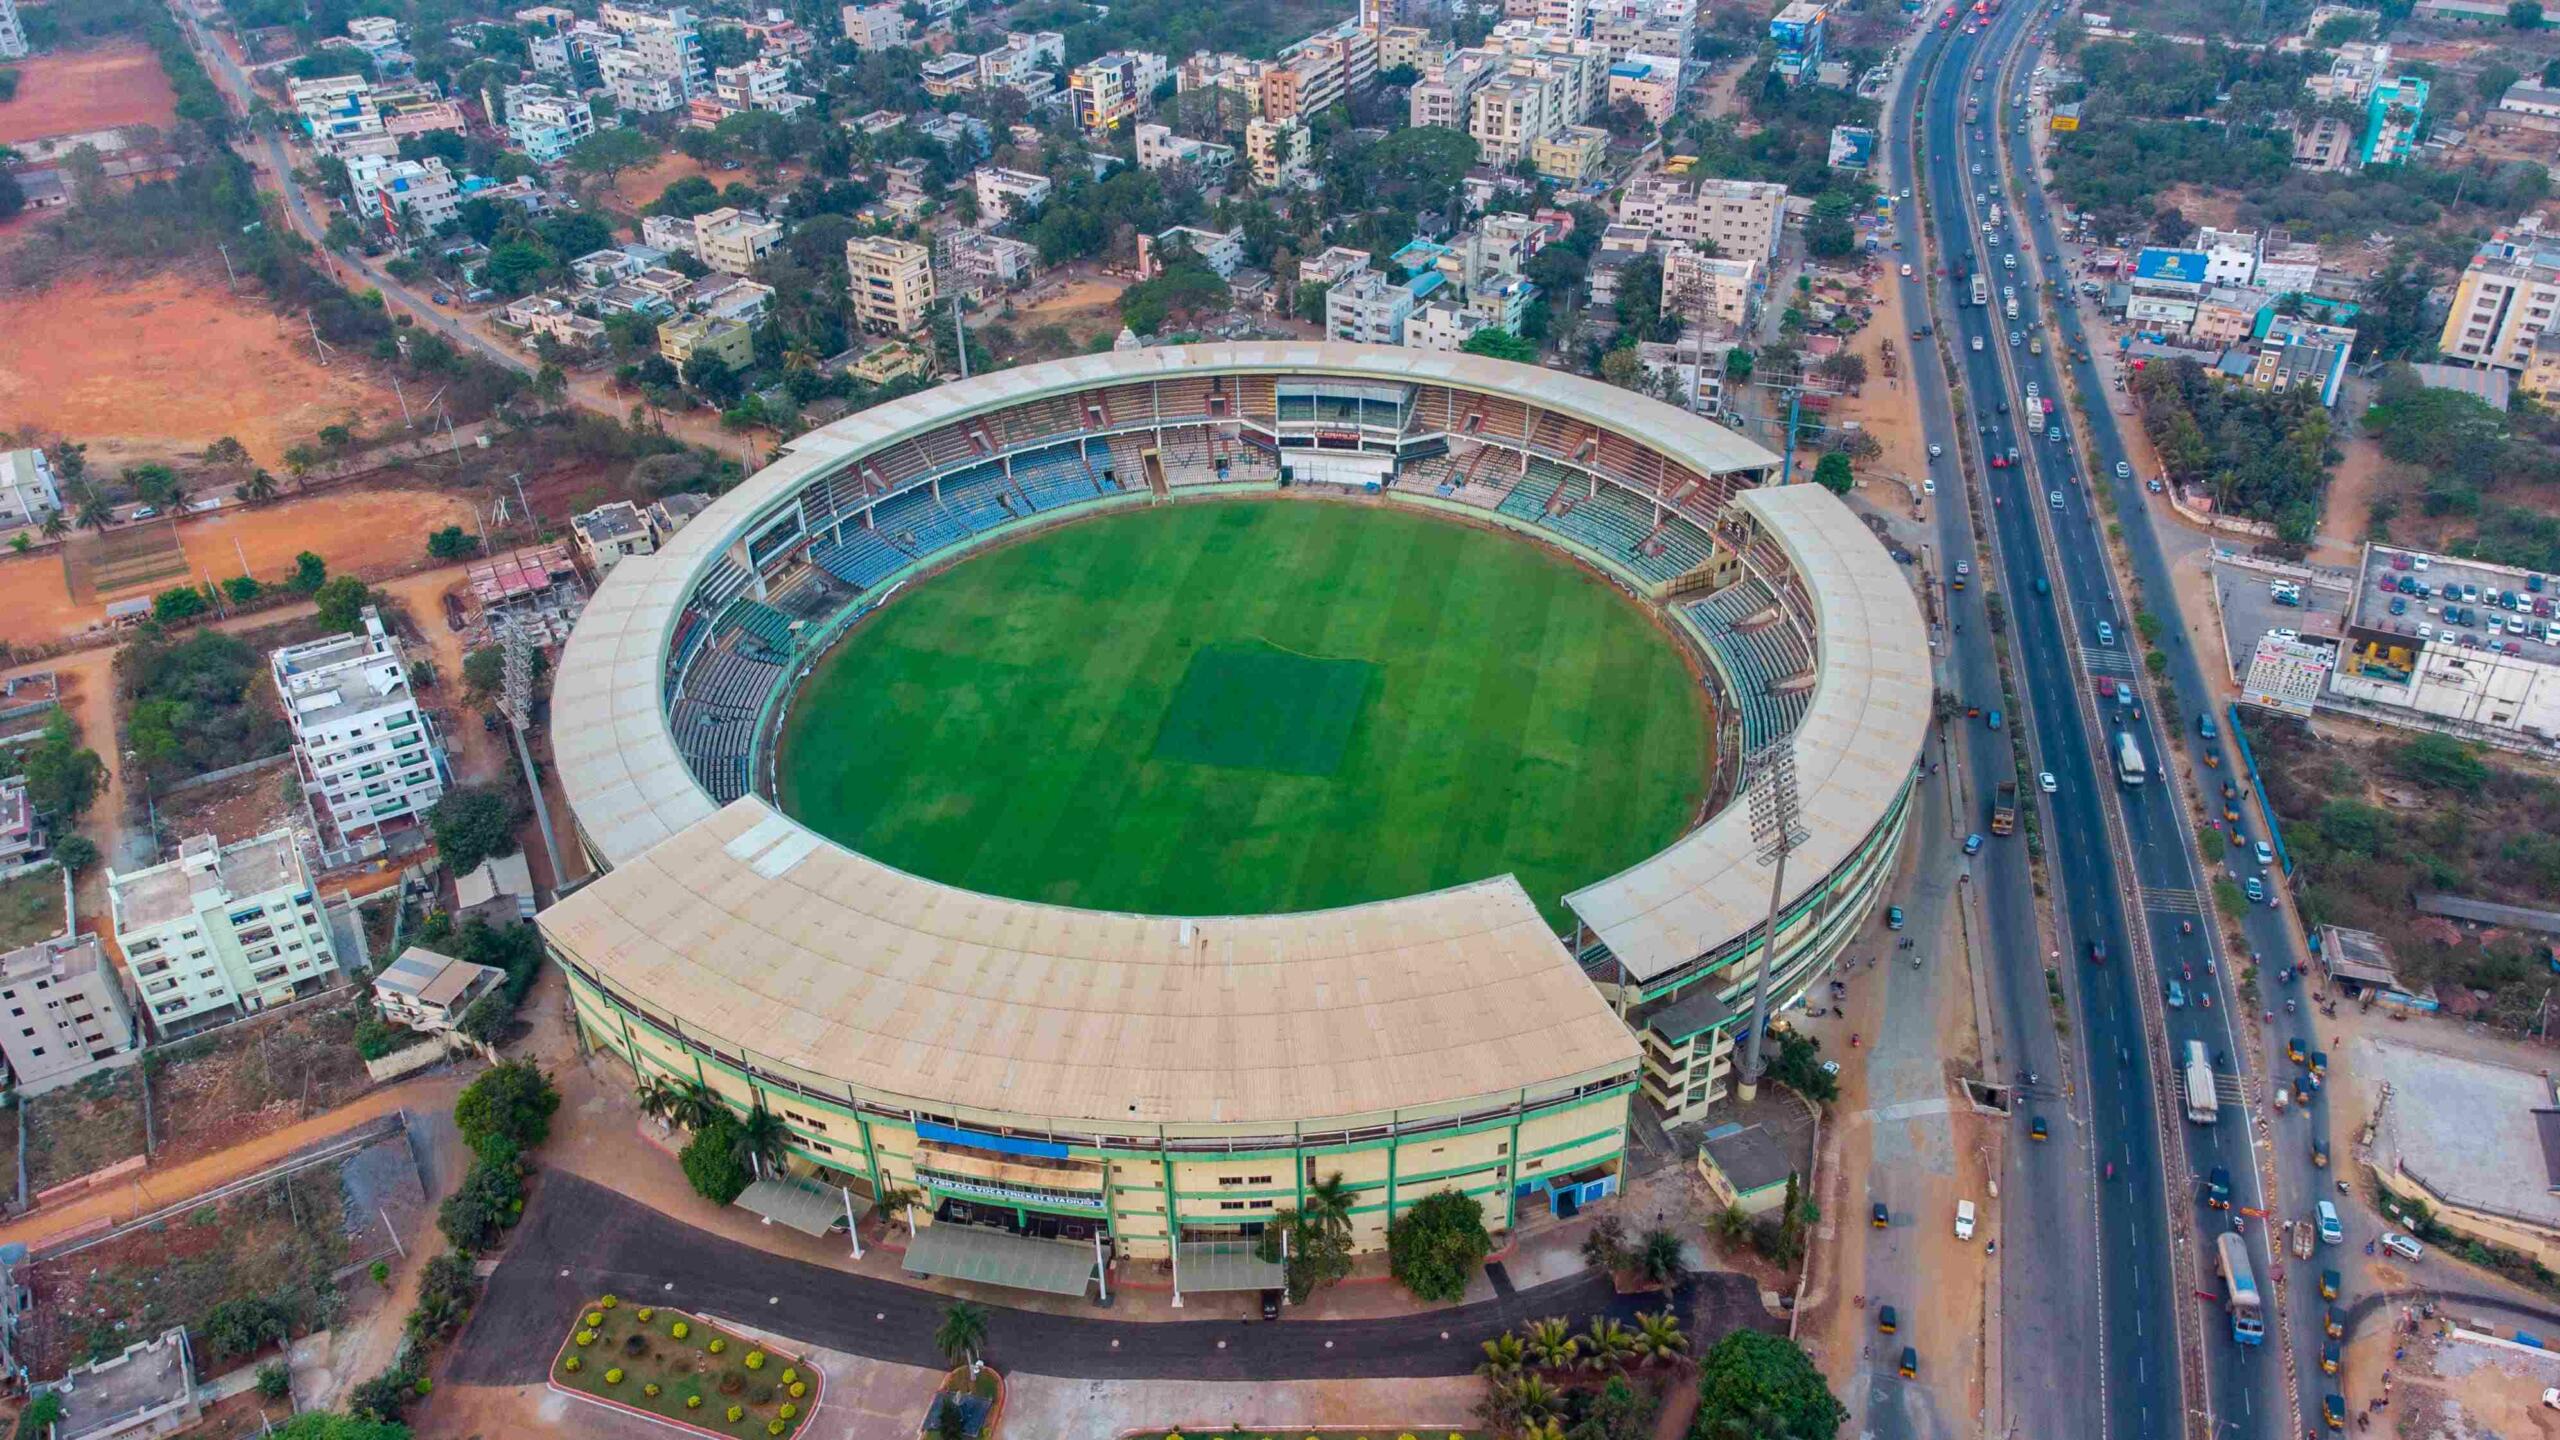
(615, 1353)
(1249, 706)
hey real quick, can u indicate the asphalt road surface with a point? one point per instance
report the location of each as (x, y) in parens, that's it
(580, 1240)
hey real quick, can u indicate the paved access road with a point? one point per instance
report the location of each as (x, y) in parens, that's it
(581, 1240)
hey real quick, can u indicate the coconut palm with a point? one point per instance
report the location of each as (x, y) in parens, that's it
(1658, 1336)
(1658, 1257)
(95, 512)
(56, 524)
(1731, 1224)
(1328, 1203)
(685, 1103)
(962, 1335)
(761, 1140)
(1551, 1343)
(1504, 1357)
(1545, 1428)
(1532, 1399)
(259, 486)
(1607, 1345)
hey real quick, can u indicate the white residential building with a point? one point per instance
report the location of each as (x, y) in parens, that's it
(2230, 256)
(611, 532)
(639, 87)
(876, 27)
(366, 752)
(63, 1013)
(734, 240)
(407, 197)
(1704, 287)
(1366, 308)
(1005, 194)
(756, 85)
(334, 109)
(547, 124)
(890, 283)
(27, 491)
(978, 263)
(1158, 147)
(1742, 218)
(1221, 251)
(430, 992)
(665, 40)
(13, 34)
(221, 931)
(2289, 267)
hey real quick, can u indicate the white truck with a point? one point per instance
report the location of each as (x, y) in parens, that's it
(1964, 1219)
(2204, 1107)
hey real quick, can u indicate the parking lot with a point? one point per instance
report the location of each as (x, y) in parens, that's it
(2479, 606)
(2245, 597)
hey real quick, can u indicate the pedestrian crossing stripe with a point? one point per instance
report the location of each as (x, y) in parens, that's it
(2106, 658)
(2175, 901)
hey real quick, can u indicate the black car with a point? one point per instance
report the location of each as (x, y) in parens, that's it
(1270, 1304)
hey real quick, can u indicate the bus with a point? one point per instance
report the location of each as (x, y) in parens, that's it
(2204, 1101)
(2240, 1289)
(2129, 767)
(1981, 291)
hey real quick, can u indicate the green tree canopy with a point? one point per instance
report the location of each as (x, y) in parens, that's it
(341, 602)
(1751, 1379)
(1834, 473)
(1501, 345)
(711, 1163)
(472, 823)
(1436, 1247)
(513, 1101)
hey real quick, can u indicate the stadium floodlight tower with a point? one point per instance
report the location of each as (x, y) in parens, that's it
(1777, 828)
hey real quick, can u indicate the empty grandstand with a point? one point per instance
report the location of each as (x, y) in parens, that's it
(1097, 1083)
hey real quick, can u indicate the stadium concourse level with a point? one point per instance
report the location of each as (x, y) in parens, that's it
(685, 658)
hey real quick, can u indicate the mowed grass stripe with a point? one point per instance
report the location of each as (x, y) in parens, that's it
(993, 727)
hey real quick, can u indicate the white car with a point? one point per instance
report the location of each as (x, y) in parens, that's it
(2284, 632)
(1906, 272)
(2408, 1249)
(2123, 471)
(2045, 782)
(1936, 451)
(1928, 485)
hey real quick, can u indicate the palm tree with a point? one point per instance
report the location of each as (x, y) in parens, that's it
(1731, 1224)
(761, 1140)
(95, 512)
(1551, 1343)
(962, 1335)
(1607, 1344)
(1328, 1204)
(259, 486)
(688, 1104)
(1658, 1336)
(1658, 1257)
(1504, 1357)
(1532, 1399)
(1544, 1428)
(56, 524)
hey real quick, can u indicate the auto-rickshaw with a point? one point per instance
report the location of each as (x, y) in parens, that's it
(2036, 1129)
(1910, 1363)
(2333, 1408)
(2320, 1154)
(2329, 1284)
(1886, 1321)
(1880, 1217)
(2319, 1066)
(2329, 1357)
(2333, 1324)
(2301, 1090)
(2296, 1051)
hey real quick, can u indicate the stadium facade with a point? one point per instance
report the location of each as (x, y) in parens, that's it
(1152, 1086)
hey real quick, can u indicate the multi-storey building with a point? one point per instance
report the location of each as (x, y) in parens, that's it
(27, 491)
(547, 124)
(665, 40)
(430, 992)
(23, 839)
(221, 931)
(2324, 145)
(63, 1013)
(1622, 27)
(2230, 256)
(1742, 218)
(1571, 156)
(1006, 194)
(2393, 115)
(1367, 308)
(1514, 111)
(1651, 83)
(13, 32)
(1158, 147)
(407, 197)
(945, 76)
(2288, 267)
(1799, 31)
(1698, 286)
(1110, 89)
(978, 263)
(687, 338)
(366, 752)
(1446, 91)
(639, 87)
(876, 27)
(734, 240)
(2505, 299)
(1277, 150)
(610, 533)
(334, 109)
(1312, 74)
(758, 84)
(1221, 250)
(891, 283)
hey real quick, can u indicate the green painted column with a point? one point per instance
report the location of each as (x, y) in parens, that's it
(1172, 1204)
(871, 1154)
(1511, 1169)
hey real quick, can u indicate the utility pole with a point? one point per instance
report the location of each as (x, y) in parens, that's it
(230, 276)
(1777, 828)
(406, 422)
(959, 336)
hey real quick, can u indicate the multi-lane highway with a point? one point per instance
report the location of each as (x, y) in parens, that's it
(2132, 900)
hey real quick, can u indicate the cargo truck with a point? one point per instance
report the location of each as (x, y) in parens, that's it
(2004, 807)
(2204, 1107)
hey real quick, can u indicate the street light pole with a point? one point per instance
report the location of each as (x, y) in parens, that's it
(1777, 828)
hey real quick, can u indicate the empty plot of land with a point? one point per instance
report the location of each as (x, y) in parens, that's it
(30, 909)
(80, 1128)
(119, 83)
(254, 1078)
(135, 558)
(163, 366)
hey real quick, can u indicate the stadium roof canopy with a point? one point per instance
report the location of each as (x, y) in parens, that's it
(1853, 751)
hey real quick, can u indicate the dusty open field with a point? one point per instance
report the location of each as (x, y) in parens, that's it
(636, 188)
(118, 83)
(371, 533)
(165, 365)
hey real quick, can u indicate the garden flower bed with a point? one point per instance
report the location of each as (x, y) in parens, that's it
(678, 1367)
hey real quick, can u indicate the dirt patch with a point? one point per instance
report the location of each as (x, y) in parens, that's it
(254, 1078)
(84, 1127)
(160, 367)
(2218, 208)
(1064, 315)
(280, 1241)
(636, 189)
(119, 83)
(252, 804)
(2354, 484)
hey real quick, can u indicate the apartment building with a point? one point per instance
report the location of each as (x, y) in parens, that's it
(13, 32)
(23, 840)
(666, 41)
(1007, 194)
(2288, 266)
(731, 297)
(1366, 308)
(1446, 91)
(546, 124)
(946, 76)
(1651, 83)
(334, 109)
(2326, 145)
(366, 752)
(1278, 151)
(691, 337)
(1412, 45)
(2393, 116)
(2230, 256)
(1307, 77)
(1158, 147)
(891, 282)
(2505, 299)
(1221, 250)
(1623, 27)
(758, 84)
(734, 240)
(63, 1014)
(221, 931)
(1514, 111)
(1572, 156)
(977, 263)
(1111, 89)
(406, 197)
(2541, 377)
(1331, 264)
(2226, 314)
(1700, 287)
(639, 87)
(1741, 218)
(876, 27)
(27, 490)
(2354, 70)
